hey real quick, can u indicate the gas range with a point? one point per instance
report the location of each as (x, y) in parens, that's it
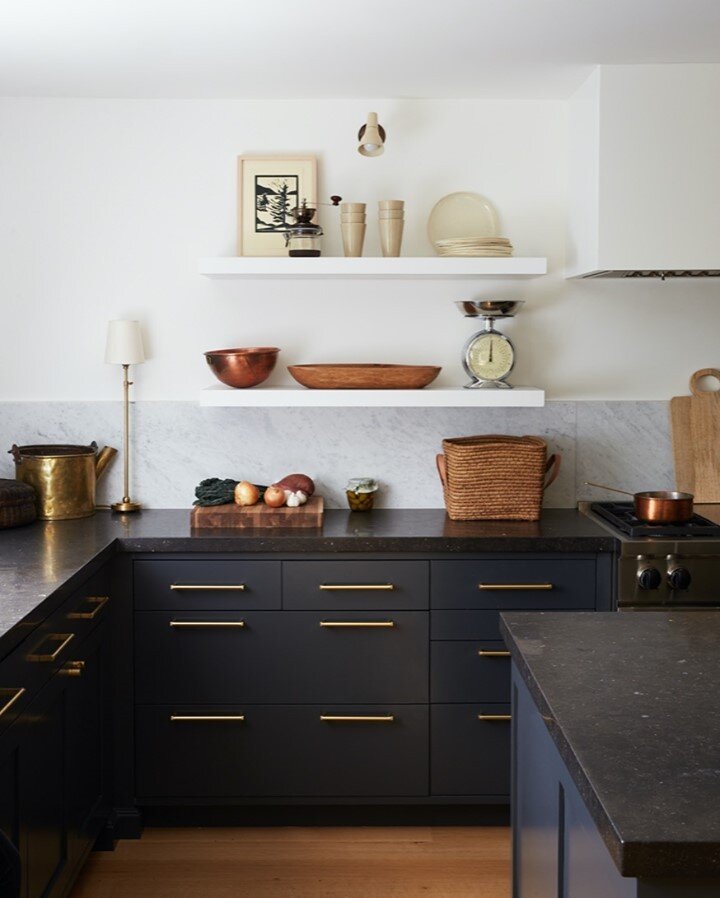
(663, 566)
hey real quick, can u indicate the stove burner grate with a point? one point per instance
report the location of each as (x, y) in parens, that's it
(622, 516)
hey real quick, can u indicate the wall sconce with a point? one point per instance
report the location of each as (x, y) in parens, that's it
(371, 137)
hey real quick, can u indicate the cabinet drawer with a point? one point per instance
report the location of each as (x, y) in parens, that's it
(465, 625)
(523, 583)
(281, 656)
(470, 756)
(355, 585)
(212, 584)
(281, 751)
(469, 672)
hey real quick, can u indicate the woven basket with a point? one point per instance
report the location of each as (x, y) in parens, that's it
(495, 478)
(17, 504)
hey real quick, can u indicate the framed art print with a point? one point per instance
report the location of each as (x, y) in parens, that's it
(268, 188)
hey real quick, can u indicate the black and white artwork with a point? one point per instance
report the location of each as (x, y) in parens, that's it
(275, 196)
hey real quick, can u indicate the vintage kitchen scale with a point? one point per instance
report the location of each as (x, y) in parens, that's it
(488, 356)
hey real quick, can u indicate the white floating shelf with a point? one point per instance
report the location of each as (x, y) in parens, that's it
(372, 267)
(437, 397)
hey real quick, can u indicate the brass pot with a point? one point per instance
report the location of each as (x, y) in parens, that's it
(63, 477)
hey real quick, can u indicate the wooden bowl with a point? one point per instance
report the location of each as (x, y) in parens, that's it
(364, 377)
(242, 367)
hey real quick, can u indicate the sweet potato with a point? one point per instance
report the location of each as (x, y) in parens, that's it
(295, 482)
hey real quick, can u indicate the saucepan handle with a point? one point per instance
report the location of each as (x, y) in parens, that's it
(15, 452)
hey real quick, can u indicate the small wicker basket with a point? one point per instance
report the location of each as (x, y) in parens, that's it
(495, 477)
(17, 504)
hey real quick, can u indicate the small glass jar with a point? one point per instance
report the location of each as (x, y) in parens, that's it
(360, 492)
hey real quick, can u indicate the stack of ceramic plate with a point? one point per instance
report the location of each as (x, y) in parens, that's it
(474, 246)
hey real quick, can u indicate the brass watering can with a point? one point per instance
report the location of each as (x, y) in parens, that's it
(63, 477)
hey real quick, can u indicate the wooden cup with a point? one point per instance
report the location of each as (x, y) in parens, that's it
(353, 237)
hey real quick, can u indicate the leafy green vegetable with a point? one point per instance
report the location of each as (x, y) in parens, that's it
(215, 491)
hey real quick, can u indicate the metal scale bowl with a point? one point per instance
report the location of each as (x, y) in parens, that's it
(488, 356)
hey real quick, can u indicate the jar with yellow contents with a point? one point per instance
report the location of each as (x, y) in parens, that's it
(360, 492)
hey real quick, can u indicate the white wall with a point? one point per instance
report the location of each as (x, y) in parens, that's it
(106, 206)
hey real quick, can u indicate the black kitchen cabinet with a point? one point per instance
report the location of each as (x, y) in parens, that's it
(402, 655)
(53, 757)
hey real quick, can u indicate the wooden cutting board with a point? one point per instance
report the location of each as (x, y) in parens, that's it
(695, 424)
(242, 517)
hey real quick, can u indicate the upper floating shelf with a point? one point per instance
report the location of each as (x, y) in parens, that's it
(439, 397)
(373, 267)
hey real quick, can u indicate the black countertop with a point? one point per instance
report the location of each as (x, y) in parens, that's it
(42, 563)
(631, 701)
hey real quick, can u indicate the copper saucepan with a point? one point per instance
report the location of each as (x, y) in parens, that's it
(657, 506)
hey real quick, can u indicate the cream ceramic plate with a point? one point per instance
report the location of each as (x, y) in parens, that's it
(462, 216)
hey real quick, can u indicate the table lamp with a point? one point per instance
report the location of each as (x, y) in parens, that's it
(125, 347)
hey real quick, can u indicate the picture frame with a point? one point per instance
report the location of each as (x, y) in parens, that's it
(268, 187)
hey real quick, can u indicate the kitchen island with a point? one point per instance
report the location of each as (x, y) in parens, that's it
(616, 765)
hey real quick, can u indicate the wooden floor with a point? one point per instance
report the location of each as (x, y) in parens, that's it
(299, 862)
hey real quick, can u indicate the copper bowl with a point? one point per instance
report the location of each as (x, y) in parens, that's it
(242, 367)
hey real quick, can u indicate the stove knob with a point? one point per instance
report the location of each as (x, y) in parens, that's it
(679, 578)
(649, 578)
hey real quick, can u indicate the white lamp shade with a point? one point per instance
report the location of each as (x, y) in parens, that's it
(124, 343)
(371, 141)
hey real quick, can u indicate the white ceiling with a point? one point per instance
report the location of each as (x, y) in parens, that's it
(343, 48)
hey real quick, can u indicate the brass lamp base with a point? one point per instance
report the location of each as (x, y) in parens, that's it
(126, 505)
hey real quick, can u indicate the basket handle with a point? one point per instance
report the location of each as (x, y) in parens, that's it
(552, 469)
(442, 468)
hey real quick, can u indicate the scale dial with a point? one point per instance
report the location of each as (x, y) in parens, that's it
(489, 357)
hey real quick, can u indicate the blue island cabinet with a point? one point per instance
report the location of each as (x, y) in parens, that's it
(558, 851)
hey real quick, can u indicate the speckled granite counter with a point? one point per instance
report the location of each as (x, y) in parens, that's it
(42, 563)
(631, 702)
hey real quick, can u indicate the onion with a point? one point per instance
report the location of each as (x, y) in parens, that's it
(246, 493)
(274, 496)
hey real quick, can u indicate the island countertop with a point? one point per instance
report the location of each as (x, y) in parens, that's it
(631, 702)
(42, 563)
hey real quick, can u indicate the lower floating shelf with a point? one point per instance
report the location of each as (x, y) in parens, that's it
(429, 397)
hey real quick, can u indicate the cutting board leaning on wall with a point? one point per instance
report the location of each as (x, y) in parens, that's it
(695, 422)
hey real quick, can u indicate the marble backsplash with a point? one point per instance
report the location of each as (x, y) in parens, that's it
(177, 444)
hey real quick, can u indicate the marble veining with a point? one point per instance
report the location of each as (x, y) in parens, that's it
(177, 444)
(631, 703)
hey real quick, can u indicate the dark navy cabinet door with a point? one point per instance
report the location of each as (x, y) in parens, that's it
(518, 583)
(212, 583)
(469, 671)
(282, 657)
(232, 752)
(470, 755)
(355, 585)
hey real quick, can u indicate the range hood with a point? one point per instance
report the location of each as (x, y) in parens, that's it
(644, 155)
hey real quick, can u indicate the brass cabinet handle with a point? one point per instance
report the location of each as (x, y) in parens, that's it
(207, 623)
(494, 717)
(98, 601)
(65, 639)
(357, 718)
(14, 696)
(72, 669)
(235, 587)
(514, 586)
(191, 718)
(384, 587)
(357, 623)
(486, 653)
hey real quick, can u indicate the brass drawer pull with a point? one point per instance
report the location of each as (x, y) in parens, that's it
(516, 586)
(207, 623)
(14, 696)
(352, 718)
(234, 587)
(384, 587)
(98, 601)
(65, 639)
(494, 718)
(485, 653)
(222, 718)
(72, 669)
(357, 623)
